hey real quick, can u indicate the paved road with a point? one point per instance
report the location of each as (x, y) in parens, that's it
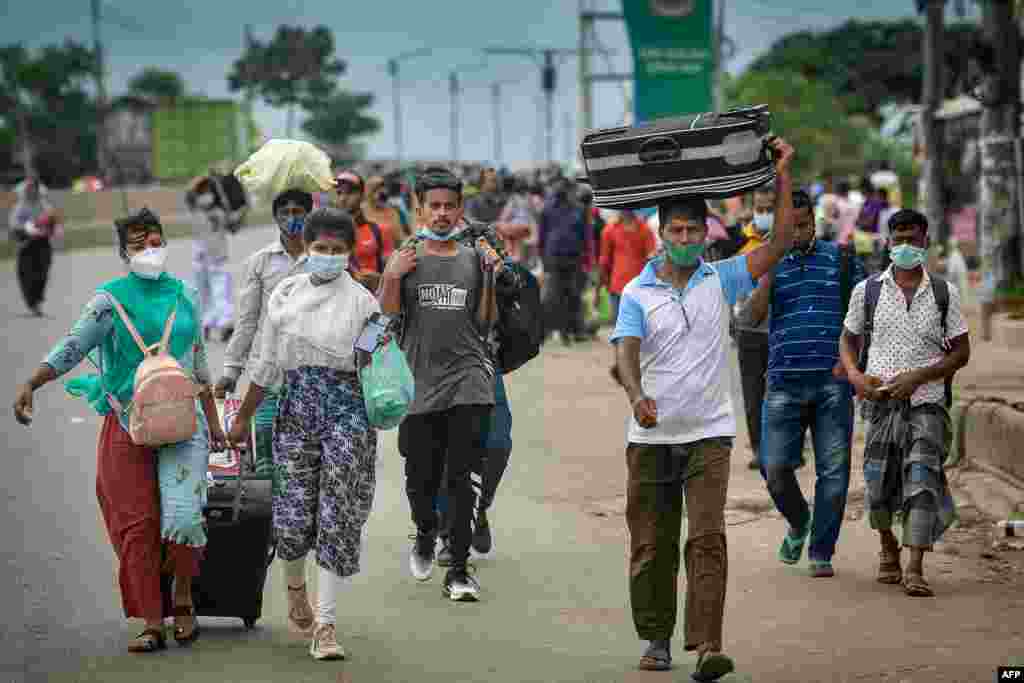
(555, 606)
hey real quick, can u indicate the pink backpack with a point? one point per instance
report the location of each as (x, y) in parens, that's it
(163, 405)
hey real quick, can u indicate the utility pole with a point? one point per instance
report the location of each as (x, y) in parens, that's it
(393, 64)
(999, 146)
(453, 91)
(101, 93)
(586, 89)
(546, 58)
(250, 95)
(496, 104)
(931, 131)
(719, 56)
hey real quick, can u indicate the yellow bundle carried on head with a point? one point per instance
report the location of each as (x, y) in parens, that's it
(282, 165)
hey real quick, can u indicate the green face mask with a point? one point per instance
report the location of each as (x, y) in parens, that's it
(684, 255)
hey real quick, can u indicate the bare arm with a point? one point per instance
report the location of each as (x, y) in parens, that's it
(760, 301)
(486, 312)
(627, 357)
(763, 259)
(958, 357)
(389, 294)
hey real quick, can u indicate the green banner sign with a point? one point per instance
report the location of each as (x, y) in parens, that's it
(673, 56)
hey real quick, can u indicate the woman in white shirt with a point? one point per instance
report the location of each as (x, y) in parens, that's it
(324, 448)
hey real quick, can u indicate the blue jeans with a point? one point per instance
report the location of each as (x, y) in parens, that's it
(791, 405)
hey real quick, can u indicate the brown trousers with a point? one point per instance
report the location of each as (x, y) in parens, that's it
(129, 497)
(657, 477)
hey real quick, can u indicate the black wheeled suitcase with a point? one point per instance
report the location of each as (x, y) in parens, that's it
(240, 545)
(711, 155)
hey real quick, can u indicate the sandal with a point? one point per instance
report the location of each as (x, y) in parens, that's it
(915, 586)
(182, 636)
(300, 612)
(711, 666)
(150, 640)
(889, 569)
(657, 657)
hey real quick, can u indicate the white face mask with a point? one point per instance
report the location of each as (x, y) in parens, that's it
(149, 264)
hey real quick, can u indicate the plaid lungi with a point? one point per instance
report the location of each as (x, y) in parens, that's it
(903, 471)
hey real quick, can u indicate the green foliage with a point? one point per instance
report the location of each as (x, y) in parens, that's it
(157, 83)
(297, 67)
(809, 115)
(340, 118)
(870, 63)
(44, 96)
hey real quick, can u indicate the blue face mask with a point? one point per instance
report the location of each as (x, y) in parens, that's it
(428, 234)
(293, 226)
(764, 222)
(907, 256)
(326, 267)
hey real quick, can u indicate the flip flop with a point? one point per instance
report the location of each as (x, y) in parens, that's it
(182, 637)
(656, 658)
(915, 586)
(150, 640)
(711, 666)
(889, 569)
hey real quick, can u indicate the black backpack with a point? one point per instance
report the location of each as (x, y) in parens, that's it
(873, 289)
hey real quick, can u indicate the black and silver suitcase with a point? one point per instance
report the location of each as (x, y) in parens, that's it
(240, 546)
(707, 155)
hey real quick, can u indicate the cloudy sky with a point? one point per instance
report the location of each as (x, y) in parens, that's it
(201, 38)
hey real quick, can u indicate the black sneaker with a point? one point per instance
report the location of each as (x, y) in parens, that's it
(460, 586)
(482, 541)
(421, 558)
(444, 555)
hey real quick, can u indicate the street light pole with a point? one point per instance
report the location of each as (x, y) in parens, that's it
(393, 70)
(453, 91)
(101, 93)
(496, 102)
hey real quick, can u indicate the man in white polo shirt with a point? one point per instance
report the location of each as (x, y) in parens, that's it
(672, 347)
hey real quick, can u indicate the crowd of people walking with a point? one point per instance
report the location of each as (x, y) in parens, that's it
(818, 331)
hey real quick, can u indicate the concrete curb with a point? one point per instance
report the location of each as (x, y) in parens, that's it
(987, 459)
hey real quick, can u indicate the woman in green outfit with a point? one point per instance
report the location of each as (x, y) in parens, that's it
(151, 498)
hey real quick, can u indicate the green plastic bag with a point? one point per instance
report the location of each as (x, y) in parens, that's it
(388, 386)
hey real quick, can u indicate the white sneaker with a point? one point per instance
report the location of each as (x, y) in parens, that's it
(421, 557)
(325, 643)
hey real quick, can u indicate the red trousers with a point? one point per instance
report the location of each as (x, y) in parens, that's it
(128, 492)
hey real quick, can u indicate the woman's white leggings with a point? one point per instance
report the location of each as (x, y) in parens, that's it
(329, 586)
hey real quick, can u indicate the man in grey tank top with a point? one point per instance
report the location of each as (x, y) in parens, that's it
(444, 292)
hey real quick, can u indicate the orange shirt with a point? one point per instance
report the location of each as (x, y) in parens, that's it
(624, 252)
(365, 253)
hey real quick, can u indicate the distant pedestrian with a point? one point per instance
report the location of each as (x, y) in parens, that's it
(913, 347)
(805, 297)
(374, 245)
(487, 204)
(752, 337)
(377, 209)
(562, 241)
(33, 223)
(673, 360)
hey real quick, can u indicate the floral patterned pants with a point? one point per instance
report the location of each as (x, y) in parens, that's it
(325, 459)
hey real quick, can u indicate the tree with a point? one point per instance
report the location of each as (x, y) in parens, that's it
(157, 83)
(870, 63)
(43, 92)
(341, 118)
(810, 115)
(297, 67)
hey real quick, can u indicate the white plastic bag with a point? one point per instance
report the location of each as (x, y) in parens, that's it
(281, 165)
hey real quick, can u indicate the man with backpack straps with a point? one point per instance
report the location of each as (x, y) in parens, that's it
(805, 299)
(904, 339)
(373, 245)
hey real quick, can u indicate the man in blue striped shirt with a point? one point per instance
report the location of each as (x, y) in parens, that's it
(806, 296)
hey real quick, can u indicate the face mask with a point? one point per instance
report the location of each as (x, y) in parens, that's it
(326, 267)
(907, 256)
(149, 264)
(291, 226)
(684, 255)
(428, 234)
(764, 222)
